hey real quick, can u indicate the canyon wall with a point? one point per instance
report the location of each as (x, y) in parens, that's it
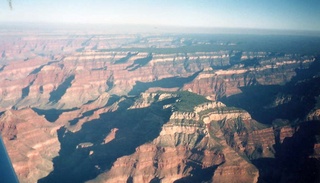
(126, 108)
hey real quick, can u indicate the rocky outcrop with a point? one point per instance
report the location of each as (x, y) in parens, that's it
(194, 146)
(314, 115)
(110, 136)
(8, 126)
(177, 153)
(32, 82)
(118, 113)
(165, 164)
(208, 106)
(221, 83)
(31, 142)
(185, 115)
(147, 98)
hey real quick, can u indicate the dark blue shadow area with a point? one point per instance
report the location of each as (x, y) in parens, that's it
(80, 49)
(37, 70)
(51, 115)
(7, 173)
(236, 58)
(251, 62)
(3, 55)
(26, 90)
(56, 95)
(85, 114)
(292, 162)
(135, 127)
(95, 47)
(125, 59)
(87, 42)
(139, 63)
(110, 82)
(100, 69)
(111, 101)
(172, 82)
(1, 69)
(257, 99)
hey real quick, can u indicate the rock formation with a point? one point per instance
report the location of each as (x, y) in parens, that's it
(149, 108)
(31, 142)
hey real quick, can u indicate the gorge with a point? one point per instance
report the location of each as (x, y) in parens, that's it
(160, 108)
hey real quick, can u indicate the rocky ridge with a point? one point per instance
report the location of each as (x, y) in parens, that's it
(98, 108)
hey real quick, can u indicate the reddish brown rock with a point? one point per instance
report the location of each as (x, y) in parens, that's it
(286, 131)
(151, 162)
(31, 144)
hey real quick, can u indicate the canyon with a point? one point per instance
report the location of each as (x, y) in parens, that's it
(160, 108)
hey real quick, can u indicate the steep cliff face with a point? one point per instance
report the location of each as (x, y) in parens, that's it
(267, 71)
(68, 80)
(121, 108)
(195, 145)
(31, 143)
(166, 164)
(198, 147)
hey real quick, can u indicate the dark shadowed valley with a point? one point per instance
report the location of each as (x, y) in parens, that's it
(225, 108)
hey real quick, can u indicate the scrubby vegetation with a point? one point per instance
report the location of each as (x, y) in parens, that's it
(187, 101)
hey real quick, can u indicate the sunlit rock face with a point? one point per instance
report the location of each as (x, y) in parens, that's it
(31, 143)
(158, 108)
(65, 79)
(221, 83)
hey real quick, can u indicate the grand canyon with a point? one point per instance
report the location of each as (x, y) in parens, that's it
(98, 107)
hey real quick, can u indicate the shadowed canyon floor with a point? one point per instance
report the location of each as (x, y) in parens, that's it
(160, 108)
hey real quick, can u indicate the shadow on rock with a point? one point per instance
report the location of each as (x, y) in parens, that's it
(135, 127)
(293, 162)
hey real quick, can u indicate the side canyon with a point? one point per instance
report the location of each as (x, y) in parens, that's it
(160, 108)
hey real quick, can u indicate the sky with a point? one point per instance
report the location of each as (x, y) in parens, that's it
(256, 14)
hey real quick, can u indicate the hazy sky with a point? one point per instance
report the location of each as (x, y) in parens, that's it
(270, 14)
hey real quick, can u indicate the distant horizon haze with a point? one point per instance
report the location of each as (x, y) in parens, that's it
(245, 14)
(80, 28)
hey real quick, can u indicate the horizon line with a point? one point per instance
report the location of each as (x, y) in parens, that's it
(148, 28)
